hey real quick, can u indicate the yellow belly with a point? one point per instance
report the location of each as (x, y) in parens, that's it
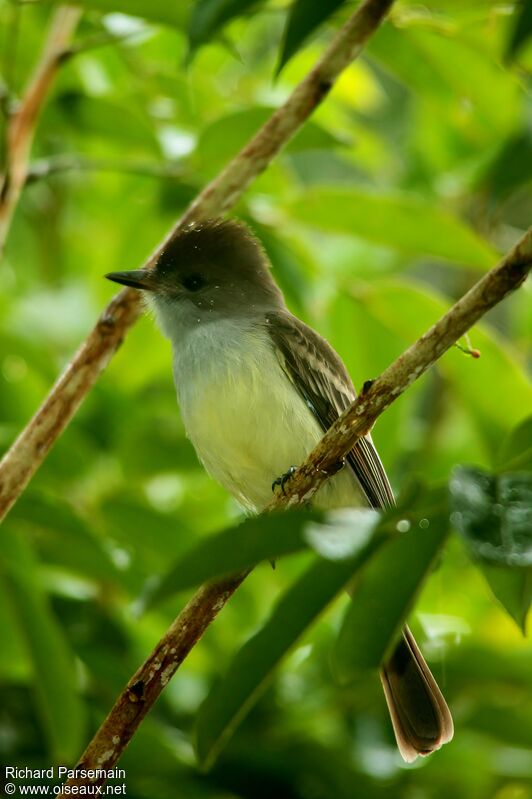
(248, 425)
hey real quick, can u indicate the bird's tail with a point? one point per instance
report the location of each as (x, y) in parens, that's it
(421, 719)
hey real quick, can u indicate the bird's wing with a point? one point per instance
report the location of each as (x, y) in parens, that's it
(322, 380)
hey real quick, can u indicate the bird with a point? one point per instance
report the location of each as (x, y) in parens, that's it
(257, 389)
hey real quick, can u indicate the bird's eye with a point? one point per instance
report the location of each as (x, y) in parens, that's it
(193, 282)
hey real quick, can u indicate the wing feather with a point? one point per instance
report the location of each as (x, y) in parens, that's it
(321, 379)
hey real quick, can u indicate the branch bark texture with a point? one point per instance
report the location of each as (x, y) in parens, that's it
(149, 681)
(22, 122)
(29, 450)
(145, 686)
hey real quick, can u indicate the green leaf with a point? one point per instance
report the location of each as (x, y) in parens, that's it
(387, 587)
(453, 66)
(209, 17)
(15, 663)
(508, 722)
(303, 19)
(297, 609)
(159, 11)
(266, 537)
(493, 514)
(511, 167)
(109, 120)
(59, 704)
(62, 537)
(223, 138)
(127, 516)
(403, 222)
(516, 450)
(513, 589)
(521, 30)
(494, 388)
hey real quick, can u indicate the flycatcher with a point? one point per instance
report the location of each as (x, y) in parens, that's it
(257, 389)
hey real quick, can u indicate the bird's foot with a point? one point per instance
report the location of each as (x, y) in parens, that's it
(283, 479)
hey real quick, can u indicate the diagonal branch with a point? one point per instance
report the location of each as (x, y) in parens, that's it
(360, 417)
(22, 122)
(151, 678)
(33, 444)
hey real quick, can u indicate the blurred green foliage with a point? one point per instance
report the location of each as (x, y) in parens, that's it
(404, 187)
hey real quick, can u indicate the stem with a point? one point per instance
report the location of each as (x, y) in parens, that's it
(145, 686)
(22, 123)
(47, 167)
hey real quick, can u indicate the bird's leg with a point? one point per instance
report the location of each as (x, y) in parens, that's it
(283, 479)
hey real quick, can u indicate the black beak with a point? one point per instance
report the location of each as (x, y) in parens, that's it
(136, 279)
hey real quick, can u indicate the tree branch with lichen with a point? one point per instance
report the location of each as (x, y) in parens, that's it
(22, 120)
(149, 681)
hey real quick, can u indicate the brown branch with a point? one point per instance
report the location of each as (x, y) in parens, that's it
(31, 447)
(22, 122)
(149, 681)
(379, 394)
(144, 688)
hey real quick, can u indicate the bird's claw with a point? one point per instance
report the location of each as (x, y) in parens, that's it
(283, 479)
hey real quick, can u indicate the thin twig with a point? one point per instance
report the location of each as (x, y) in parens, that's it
(150, 680)
(47, 167)
(33, 444)
(22, 121)
(102, 39)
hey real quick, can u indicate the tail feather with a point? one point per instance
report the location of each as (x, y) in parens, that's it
(421, 719)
